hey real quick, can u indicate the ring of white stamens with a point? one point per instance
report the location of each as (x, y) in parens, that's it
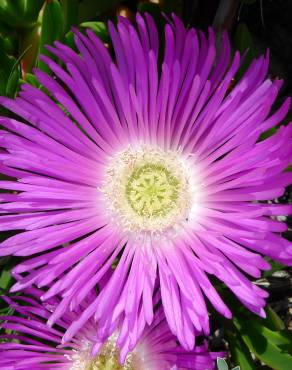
(148, 189)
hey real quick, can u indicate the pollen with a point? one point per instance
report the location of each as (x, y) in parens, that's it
(147, 189)
(152, 191)
(107, 359)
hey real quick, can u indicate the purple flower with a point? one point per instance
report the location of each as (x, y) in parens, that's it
(37, 346)
(156, 169)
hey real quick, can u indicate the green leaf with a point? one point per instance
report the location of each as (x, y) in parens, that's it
(239, 351)
(267, 134)
(272, 320)
(275, 266)
(6, 64)
(99, 28)
(244, 43)
(10, 73)
(282, 339)
(268, 346)
(243, 38)
(32, 80)
(14, 76)
(52, 28)
(8, 43)
(89, 9)
(221, 364)
(20, 13)
(12, 83)
(70, 13)
(5, 279)
(69, 40)
(4, 28)
(30, 41)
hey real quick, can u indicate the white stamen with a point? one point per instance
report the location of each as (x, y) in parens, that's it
(148, 190)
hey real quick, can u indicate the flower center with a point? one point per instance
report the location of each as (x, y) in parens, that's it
(107, 359)
(108, 362)
(148, 189)
(152, 191)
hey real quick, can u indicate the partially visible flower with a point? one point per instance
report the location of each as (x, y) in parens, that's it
(156, 167)
(37, 346)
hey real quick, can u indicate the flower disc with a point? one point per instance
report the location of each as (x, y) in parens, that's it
(149, 189)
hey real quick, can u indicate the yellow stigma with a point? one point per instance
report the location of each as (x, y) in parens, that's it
(147, 189)
(152, 191)
(108, 362)
(107, 359)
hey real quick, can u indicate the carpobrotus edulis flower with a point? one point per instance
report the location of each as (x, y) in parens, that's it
(157, 169)
(35, 346)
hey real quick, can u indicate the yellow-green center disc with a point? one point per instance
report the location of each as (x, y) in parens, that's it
(105, 362)
(152, 191)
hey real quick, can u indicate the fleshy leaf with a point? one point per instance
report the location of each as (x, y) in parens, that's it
(221, 364)
(20, 13)
(239, 351)
(99, 28)
(70, 13)
(268, 346)
(52, 28)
